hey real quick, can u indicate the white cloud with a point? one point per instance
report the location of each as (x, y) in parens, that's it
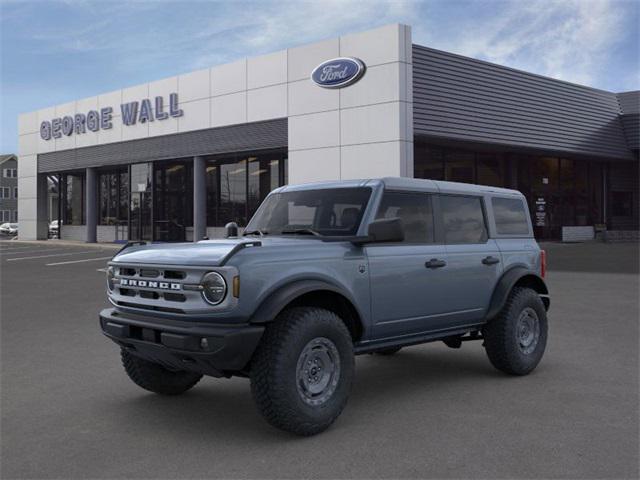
(273, 25)
(566, 39)
(569, 40)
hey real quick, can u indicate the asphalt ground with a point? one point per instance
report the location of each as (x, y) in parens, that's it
(69, 411)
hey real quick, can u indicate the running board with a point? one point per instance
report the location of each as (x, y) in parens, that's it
(405, 341)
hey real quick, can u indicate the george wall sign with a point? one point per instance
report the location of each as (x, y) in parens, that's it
(338, 72)
(94, 120)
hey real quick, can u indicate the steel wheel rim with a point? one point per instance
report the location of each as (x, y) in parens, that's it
(528, 330)
(318, 371)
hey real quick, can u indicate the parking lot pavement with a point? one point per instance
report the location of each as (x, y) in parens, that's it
(53, 254)
(68, 410)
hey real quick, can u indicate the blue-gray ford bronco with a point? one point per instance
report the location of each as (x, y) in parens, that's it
(324, 272)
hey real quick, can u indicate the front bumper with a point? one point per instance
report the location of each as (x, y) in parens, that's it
(179, 345)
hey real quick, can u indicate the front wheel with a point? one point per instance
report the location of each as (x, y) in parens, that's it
(515, 340)
(156, 378)
(302, 371)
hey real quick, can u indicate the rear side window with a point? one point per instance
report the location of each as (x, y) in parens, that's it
(463, 219)
(414, 209)
(510, 216)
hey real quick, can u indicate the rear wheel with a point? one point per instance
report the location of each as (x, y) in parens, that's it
(156, 378)
(302, 371)
(516, 339)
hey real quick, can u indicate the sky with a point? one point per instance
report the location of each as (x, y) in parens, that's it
(55, 51)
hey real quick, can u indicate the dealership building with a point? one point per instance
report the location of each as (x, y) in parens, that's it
(178, 158)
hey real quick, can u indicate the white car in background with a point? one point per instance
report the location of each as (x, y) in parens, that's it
(9, 229)
(54, 229)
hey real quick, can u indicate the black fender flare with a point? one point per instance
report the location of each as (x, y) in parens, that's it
(277, 300)
(508, 281)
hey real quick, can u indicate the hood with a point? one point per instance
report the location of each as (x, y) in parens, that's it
(209, 253)
(203, 253)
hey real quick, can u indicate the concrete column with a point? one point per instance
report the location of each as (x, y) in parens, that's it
(91, 207)
(199, 198)
(42, 215)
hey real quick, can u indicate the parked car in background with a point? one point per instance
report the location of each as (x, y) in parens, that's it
(9, 229)
(54, 229)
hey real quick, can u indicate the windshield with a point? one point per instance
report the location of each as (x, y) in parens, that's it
(326, 212)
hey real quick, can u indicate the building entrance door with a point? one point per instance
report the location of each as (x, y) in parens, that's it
(140, 204)
(173, 200)
(140, 217)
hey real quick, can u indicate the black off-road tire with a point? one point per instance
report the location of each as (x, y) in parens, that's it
(501, 335)
(388, 351)
(277, 388)
(156, 378)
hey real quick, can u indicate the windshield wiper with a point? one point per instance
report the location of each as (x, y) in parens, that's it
(258, 231)
(302, 231)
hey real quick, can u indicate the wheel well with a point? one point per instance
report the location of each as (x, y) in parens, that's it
(534, 283)
(335, 303)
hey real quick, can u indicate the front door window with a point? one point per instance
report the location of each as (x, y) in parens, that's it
(407, 296)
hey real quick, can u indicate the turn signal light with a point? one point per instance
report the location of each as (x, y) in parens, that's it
(236, 286)
(543, 263)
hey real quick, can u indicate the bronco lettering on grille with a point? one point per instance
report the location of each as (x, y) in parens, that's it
(129, 282)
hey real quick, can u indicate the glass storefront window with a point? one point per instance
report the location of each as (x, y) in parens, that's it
(73, 199)
(213, 193)
(580, 179)
(233, 191)
(545, 173)
(173, 200)
(113, 194)
(560, 191)
(140, 211)
(460, 167)
(596, 192)
(621, 204)
(428, 162)
(53, 197)
(141, 177)
(264, 176)
(123, 196)
(103, 199)
(490, 169)
(623, 198)
(237, 185)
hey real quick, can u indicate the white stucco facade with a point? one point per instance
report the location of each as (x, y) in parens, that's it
(363, 130)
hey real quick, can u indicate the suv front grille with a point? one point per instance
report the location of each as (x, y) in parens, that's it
(174, 275)
(147, 273)
(172, 290)
(151, 296)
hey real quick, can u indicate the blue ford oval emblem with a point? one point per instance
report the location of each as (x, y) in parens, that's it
(338, 72)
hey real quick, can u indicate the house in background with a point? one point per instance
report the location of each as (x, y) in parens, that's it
(9, 188)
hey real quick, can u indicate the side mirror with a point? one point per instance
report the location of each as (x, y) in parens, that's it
(386, 230)
(232, 229)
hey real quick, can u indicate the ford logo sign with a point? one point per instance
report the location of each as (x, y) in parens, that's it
(338, 73)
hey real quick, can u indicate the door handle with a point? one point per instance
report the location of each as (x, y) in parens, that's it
(490, 260)
(435, 263)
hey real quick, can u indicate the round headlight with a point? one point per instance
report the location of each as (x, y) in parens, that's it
(214, 288)
(111, 272)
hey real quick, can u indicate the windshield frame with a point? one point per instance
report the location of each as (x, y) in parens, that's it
(363, 195)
